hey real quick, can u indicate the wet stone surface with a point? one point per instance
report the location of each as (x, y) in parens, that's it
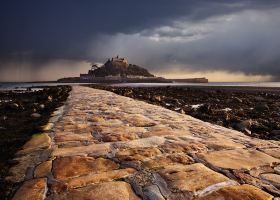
(106, 146)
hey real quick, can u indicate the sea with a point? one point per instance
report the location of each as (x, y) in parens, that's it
(37, 85)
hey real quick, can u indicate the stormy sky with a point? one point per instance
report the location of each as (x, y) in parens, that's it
(232, 40)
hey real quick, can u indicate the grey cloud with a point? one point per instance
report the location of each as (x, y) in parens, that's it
(247, 43)
(39, 32)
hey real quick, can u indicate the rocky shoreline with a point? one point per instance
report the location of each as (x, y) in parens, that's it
(22, 114)
(254, 111)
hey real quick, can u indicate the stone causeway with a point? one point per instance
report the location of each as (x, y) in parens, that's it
(103, 146)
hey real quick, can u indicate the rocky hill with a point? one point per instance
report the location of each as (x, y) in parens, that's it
(115, 68)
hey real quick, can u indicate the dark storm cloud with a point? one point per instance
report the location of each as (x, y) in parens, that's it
(39, 31)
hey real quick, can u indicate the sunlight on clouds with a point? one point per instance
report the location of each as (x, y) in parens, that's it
(215, 76)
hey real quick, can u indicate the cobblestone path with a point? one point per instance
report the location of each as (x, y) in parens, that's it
(102, 146)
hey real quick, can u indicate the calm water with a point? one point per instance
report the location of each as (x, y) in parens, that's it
(229, 84)
(23, 86)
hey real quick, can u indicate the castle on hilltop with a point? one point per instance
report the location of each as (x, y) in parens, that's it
(115, 69)
(118, 60)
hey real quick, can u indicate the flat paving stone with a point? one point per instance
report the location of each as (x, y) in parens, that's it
(240, 192)
(274, 152)
(238, 158)
(33, 189)
(43, 169)
(73, 137)
(97, 149)
(191, 178)
(167, 160)
(137, 153)
(273, 178)
(37, 142)
(139, 120)
(74, 166)
(110, 191)
(99, 177)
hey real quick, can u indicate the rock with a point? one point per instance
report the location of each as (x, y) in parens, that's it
(157, 98)
(236, 100)
(239, 192)
(153, 193)
(14, 106)
(185, 177)
(272, 178)
(33, 189)
(275, 133)
(110, 191)
(259, 98)
(43, 169)
(42, 106)
(277, 169)
(35, 115)
(50, 98)
(261, 107)
(243, 125)
(238, 159)
(205, 108)
(77, 166)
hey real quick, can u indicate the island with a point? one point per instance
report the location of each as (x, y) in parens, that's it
(118, 70)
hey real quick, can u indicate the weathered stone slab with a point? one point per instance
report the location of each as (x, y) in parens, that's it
(43, 169)
(33, 189)
(73, 137)
(145, 142)
(240, 192)
(166, 160)
(96, 149)
(18, 172)
(129, 154)
(99, 177)
(110, 191)
(238, 159)
(116, 137)
(221, 143)
(190, 178)
(70, 144)
(153, 192)
(74, 166)
(274, 152)
(37, 142)
(139, 120)
(183, 146)
(273, 178)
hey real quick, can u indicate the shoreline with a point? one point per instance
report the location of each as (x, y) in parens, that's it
(23, 114)
(253, 111)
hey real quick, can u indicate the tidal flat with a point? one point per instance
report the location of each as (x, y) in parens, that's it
(22, 114)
